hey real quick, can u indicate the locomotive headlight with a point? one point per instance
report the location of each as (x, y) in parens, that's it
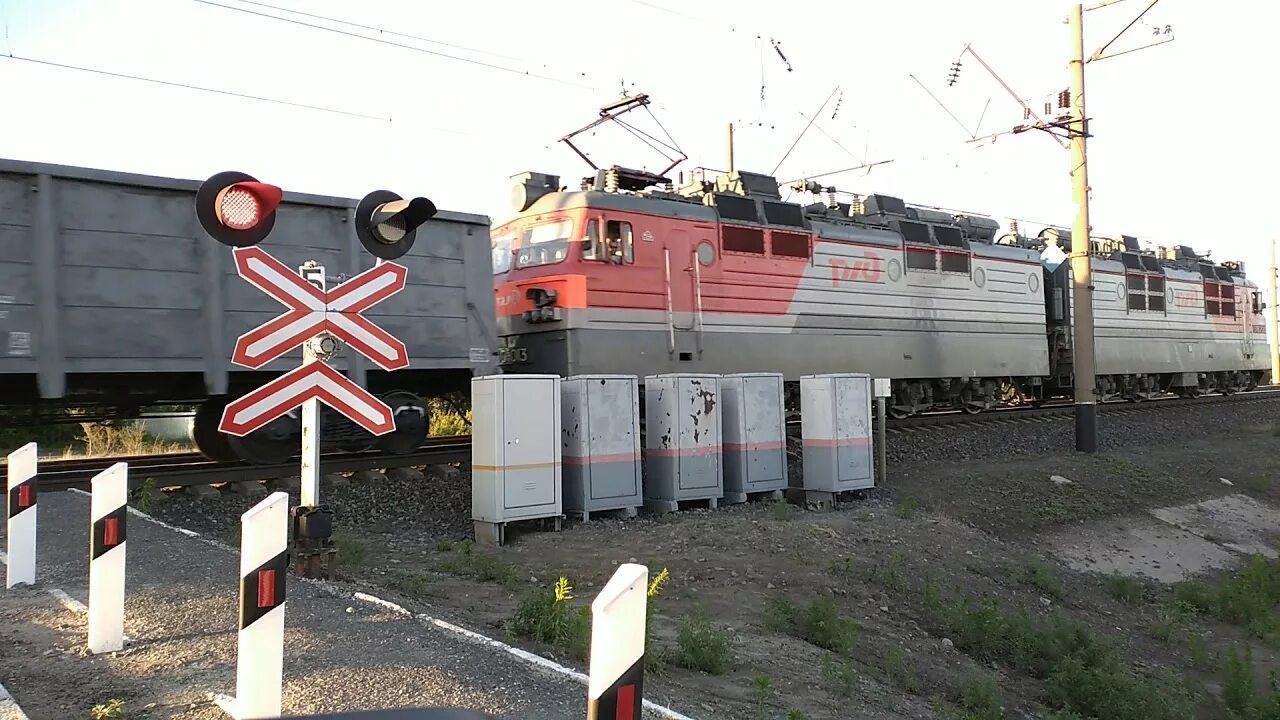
(541, 297)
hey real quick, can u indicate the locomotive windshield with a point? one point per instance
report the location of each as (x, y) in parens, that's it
(544, 244)
(501, 248)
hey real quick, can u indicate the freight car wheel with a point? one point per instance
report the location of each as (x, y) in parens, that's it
(208, 439)
(412, 423)
(274, 444)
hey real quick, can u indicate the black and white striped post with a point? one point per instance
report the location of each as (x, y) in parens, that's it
(615, 683)
(108, 513)
(264, 559)
(21, 528)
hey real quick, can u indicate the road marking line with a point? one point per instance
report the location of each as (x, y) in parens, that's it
(475, 637)
(9, 708)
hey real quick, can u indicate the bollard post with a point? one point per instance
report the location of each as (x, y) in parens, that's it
(108, 516)
(264, 560)
(615, 683)
(22, 516)
(883, 391)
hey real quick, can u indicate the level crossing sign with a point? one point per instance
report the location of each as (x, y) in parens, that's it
(311, 312)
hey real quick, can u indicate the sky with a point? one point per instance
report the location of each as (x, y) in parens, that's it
(469, 94)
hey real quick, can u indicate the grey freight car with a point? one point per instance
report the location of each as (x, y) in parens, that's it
(112, 296)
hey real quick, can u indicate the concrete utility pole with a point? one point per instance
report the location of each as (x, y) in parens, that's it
(1273, 312)
(1082, 362)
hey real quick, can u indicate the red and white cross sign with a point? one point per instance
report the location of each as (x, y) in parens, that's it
(312, 311)
(313, 380)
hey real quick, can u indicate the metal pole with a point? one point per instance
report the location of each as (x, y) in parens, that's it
(1081, 282)
(1273, 325)
(882, 452)
(730, 147)
(310, 471)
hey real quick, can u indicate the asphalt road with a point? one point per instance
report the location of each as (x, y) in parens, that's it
(181, 613)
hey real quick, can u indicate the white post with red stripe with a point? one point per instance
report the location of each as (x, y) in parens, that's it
(21, 512)
(108, 515)
(615, 682)
(264, 545)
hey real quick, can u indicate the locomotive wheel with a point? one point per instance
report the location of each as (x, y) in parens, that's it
(274, 444)
(413, 423)
(211, 442)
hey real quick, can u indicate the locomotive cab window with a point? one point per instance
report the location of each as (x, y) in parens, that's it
(616, 246)
(544, 244)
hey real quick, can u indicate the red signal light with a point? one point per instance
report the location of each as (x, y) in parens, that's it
(237, 210)
(243, 205)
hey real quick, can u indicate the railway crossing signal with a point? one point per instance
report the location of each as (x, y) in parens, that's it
(312, 381)
(237, 210)
(386, 223)
(312, 311)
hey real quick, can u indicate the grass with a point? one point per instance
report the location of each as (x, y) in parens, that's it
(1244, 700)
(1040, 575)
(464, 560)
(110, 439)
(446, 418)
(1246, 599)
(351, 552)
(889, 574)
(978, 697)
(818, 624)
(702, 646)
(1084, 674)
(547, 617)
(113, 710)
(1124, 588)
(839, 676)
(901, 669)
(907, 507)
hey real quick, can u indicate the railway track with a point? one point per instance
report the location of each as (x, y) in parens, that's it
(1066, 409)
(183, 469)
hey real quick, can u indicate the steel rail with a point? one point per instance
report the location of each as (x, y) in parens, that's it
(183, 469)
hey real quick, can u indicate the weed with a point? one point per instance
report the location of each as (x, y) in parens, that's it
(1085, 673)
(889, 574)
(1124, 588)
(147, 495)
(465, 561)
(1125, 468)
(107, 439)
(444, 545)
(702, 646)
(1246, 598)
(901, 669)
(113, 710)
(979, 696)
(350, 551)
(761, 692)
(818, 624)
(545, 616)
(795, 715)
(907, 507)
(781, 510)
(839, 676)
(655, 658)
(1199, 652)
(417, 585)
(1039, 575)
(1257, 484)
(446, 419)
(843, 568)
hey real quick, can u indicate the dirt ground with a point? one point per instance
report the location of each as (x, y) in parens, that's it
(896, 562)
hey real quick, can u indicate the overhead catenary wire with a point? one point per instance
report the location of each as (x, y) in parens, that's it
(188, 86)
(392, 43)
(384, 31)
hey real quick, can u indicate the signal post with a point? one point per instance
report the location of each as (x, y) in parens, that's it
(237, 210)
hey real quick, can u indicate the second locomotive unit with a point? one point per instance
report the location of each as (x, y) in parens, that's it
(632, 274)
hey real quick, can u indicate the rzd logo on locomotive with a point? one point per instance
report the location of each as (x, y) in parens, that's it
(867, 268)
